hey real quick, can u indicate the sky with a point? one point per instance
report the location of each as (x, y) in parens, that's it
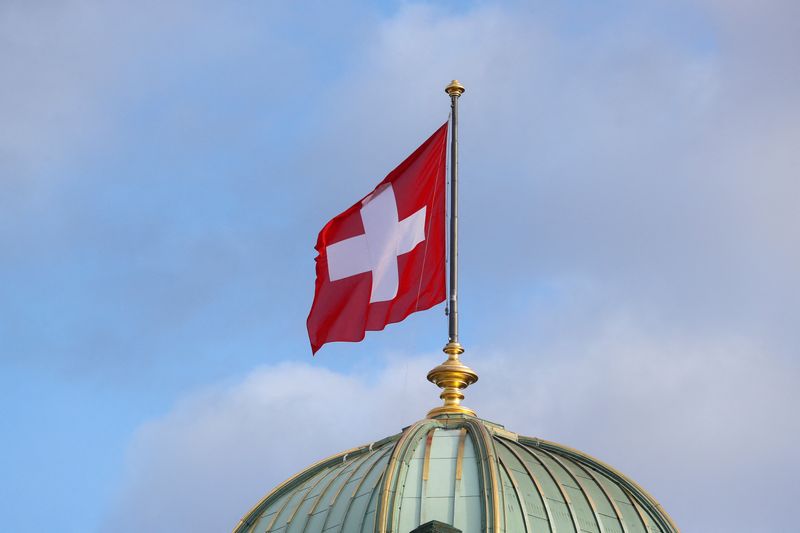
(630, 245)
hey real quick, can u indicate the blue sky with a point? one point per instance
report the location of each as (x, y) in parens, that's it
(630, 252)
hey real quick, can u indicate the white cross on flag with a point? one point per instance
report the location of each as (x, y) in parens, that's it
(383, 258)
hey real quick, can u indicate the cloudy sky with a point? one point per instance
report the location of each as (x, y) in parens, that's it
(630, 245)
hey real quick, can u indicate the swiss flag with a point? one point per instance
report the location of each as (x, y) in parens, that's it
(383, 258)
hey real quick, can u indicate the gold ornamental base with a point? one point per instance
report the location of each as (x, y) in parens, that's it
(452, 377)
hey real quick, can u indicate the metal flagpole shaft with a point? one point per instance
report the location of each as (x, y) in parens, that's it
(453, 376)
(455, 90)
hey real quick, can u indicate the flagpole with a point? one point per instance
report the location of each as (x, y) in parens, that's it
(454, 90)
(453, 376)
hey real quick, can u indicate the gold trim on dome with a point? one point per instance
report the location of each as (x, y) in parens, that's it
(452, 377)
(494, 477)
(462, 441)
(426, 462)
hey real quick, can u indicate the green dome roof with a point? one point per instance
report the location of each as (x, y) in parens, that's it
(462, 471)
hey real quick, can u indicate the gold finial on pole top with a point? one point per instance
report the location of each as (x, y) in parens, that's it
(453, 376)
(455, 88)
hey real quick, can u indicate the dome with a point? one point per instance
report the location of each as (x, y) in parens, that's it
(463, 471)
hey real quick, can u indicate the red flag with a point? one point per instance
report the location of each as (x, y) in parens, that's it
(383, 258)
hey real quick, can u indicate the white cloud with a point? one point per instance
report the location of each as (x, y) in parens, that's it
(201, 467)
(691, 419)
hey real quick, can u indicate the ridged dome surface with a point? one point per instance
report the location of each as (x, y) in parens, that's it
(462, 471)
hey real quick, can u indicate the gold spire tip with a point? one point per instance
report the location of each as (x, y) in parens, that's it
(455, 88)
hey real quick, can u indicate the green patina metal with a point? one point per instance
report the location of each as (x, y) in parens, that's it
(468, 473)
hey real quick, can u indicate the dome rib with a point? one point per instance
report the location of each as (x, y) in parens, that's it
(517, 494)
(310, 489)
(636, 508)
(313, 496)
(324, 484)
(584, 492)
(534, 480)
(358, 487)
(373, 499)
(493, 494)
(565, 499)
(608, 498)
(321, 511)
(280, 511)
